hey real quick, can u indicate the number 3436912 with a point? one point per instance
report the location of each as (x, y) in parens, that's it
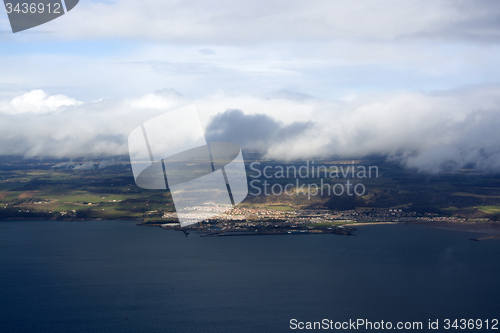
(33, 8)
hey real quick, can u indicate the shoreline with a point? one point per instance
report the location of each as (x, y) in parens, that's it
(485, 230)
(477, 227)
(465, 226)
(371, 223)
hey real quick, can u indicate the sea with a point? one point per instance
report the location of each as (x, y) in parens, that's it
(115, 276)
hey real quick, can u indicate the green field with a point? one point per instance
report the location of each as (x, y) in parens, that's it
(280, 208)
(490, 209)
(328, 224)
(30, 186)
(65, 193)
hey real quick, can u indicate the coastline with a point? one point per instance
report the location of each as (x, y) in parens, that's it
(484, 230)
(371, 223)
(478, 227)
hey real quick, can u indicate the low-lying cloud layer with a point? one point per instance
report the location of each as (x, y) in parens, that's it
(433, 132)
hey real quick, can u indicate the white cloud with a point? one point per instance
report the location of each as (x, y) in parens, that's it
(161, 99)
(85, 166)
(37, 102)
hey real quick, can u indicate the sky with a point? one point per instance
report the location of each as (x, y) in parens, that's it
(415, 81)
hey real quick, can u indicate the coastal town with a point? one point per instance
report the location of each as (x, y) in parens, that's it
(279, 220)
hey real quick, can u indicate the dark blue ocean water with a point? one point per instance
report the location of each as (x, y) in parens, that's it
(113, 276)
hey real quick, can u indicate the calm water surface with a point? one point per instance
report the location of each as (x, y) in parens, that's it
(113, 276)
